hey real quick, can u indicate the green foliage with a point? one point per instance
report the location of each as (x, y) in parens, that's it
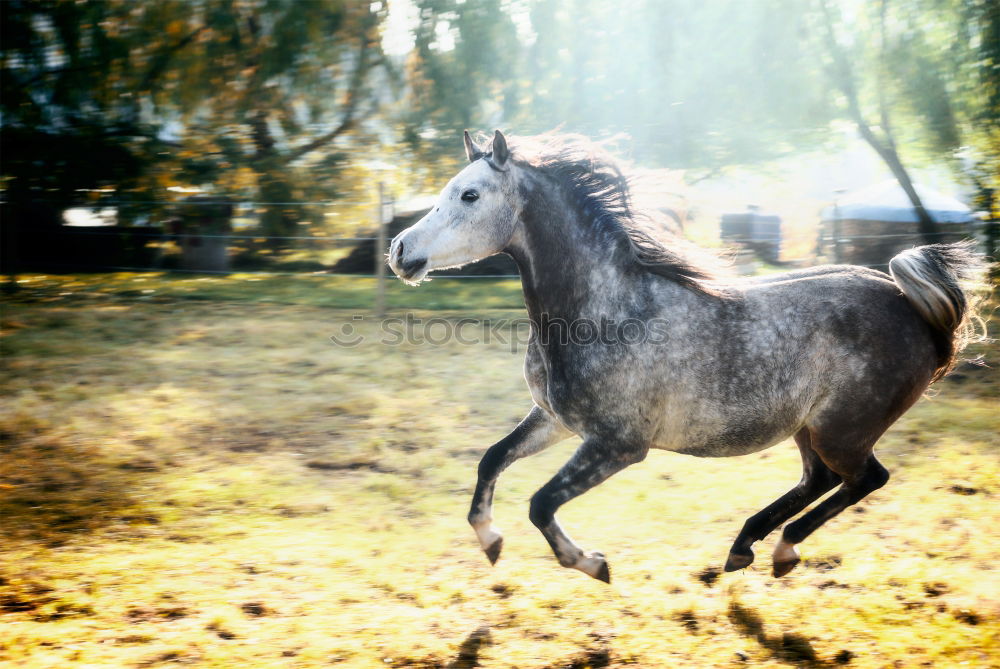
(692, 83)
(284, 100)
(131, 98)
(69, 89)
(710, 83)
(928, 69)
(450, 89)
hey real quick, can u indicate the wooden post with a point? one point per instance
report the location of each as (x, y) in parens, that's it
(992, 226)
(379, 252)
(838, 251)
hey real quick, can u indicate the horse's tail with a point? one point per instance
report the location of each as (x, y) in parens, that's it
(930, 278)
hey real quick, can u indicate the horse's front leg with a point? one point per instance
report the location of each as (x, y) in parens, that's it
(593, 462)
(537, 431)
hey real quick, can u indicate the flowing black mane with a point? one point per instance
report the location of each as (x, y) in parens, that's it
(602, 191)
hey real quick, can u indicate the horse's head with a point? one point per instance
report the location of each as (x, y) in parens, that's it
(474, 217)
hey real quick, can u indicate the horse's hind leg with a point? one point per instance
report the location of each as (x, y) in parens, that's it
(870, 476)
(817, 479)
(592, 464)
(537, 431)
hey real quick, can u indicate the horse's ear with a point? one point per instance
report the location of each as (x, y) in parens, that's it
(472, 151)
(500, 151)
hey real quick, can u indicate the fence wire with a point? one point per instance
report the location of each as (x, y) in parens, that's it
(215, 203)
(825, 239)
(95, 230)
(318, 273)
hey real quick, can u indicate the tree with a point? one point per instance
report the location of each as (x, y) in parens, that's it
(693, 84)
(463, 70)
(69, 88)
(128, 98)
(268, 90)
(927, 70)
(884, 143)
(946, 60)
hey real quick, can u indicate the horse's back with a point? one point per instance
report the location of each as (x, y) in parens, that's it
(811, 272)
(854, 322)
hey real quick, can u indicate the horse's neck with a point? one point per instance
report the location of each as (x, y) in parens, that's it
(569, 269)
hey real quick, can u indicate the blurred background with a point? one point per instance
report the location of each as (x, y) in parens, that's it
(216, 135)
(193, 195)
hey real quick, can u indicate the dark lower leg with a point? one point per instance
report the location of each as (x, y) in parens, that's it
(589, 466)
(758, 526)
(875, 477)
(785, 557)
(537, 431)
(817, 479)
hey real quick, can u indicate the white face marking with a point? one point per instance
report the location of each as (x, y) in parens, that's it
(473, 218)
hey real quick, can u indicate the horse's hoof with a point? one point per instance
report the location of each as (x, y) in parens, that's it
(593, 565)
(596, 566)
(782, 568)
(737, 561)
(785, 557)
(493, 551)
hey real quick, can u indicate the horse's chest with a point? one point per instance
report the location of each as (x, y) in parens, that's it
(587, 394)
(537, 377)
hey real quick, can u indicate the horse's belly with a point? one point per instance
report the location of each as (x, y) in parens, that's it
(723, 434)
(725, 446)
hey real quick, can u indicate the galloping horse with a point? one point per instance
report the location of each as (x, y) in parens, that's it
(831, 355)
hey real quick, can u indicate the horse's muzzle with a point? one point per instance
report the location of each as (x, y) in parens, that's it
(405, 268)
(410, 268)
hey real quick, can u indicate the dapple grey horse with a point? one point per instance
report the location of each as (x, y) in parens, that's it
(635, 347)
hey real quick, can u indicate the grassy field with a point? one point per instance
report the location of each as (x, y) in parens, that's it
(193, 473)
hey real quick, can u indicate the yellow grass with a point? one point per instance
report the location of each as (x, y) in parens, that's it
(216, 484)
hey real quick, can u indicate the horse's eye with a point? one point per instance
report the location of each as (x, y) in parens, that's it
(470, 196)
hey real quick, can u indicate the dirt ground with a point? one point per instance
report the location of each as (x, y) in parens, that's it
(212, 481)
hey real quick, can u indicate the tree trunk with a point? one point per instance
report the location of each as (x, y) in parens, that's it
(925, 223)
(885, 147)
(9, 251)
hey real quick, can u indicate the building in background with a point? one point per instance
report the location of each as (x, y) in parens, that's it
(871, 225)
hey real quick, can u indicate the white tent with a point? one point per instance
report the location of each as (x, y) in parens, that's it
(887, 201)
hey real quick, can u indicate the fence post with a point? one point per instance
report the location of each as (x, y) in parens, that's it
(838, 251)
(379, 250)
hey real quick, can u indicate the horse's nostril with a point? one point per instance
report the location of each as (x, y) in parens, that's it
(399, 251)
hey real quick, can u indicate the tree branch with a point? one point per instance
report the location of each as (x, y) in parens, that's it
(261, 135)
(161, 62)
(56, 71)
(347, 119)
(883, 107)
(347, 123)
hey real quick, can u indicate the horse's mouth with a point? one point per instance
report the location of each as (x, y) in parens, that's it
(412, 272)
